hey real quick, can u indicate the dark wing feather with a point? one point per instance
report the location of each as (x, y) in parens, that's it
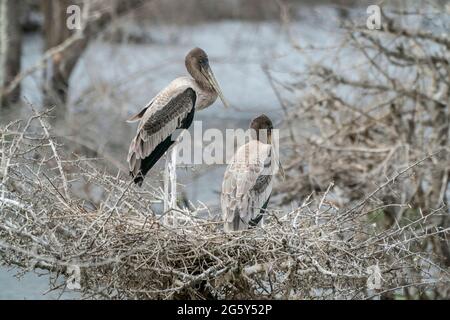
(254, 222)
(147, 163)
(147, 147)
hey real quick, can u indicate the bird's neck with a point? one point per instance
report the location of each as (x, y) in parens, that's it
(205, 96)
(204, 84)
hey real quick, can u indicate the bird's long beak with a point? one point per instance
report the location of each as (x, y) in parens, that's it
(209, 75)
(280, 167)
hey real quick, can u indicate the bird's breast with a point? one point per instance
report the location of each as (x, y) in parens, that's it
(204, 96)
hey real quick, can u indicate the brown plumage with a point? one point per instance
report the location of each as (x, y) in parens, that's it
(247, 182)
(173, 108)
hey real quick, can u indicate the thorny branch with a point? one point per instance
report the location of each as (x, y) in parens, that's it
(123, 250)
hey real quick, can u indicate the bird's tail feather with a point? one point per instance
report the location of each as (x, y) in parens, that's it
(147, 163)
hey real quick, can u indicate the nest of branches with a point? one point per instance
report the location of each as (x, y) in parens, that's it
(67, 215)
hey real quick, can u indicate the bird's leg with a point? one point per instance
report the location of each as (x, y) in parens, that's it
(166, 192)
(173, 182)
(170, 187)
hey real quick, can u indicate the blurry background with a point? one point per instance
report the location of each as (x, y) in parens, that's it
(130, 50)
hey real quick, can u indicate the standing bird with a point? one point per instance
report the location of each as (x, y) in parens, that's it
(247, 183)
(173, 108)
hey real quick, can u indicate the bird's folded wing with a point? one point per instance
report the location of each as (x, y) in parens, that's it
(243, 182)
(160, 120)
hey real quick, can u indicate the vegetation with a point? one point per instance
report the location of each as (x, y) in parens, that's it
(363, 212)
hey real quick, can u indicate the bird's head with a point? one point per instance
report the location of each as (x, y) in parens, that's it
(197, 64)
(261, 129)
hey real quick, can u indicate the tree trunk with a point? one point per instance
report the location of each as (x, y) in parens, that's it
(10, 48)
(60, 66)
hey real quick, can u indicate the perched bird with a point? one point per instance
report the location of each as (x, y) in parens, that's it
(247, 184)
(173, 108)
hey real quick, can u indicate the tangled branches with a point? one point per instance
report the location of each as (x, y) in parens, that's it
(61, 214)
